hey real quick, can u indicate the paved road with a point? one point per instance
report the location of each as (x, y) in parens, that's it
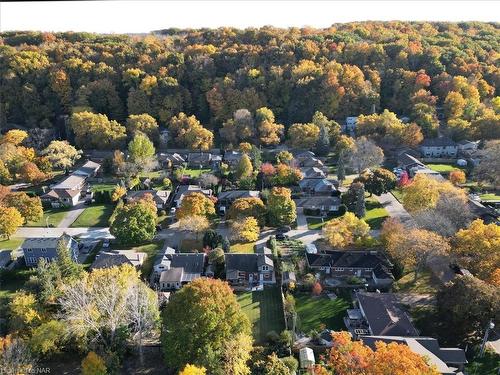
(72, 215)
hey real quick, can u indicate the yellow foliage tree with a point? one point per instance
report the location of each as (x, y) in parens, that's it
(10, 220)
(14, 136)
(245, 230)
(346, 230)
(93, 364)
(118, 193)
(196, 204)
(193, 370)
(457, 177)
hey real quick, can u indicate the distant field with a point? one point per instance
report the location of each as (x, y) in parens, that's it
(94, 216)
(54, 215)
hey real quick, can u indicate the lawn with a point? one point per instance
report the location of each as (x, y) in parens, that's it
(11, 244)
(490, 197)
(314, 312)
(189, 245)
(54, 215)
(443, 168)
(315, 223)
(94, 216)
(193, 173)
(426, 283)
(265, 311)
(247, 248)
(375, 213)
(104, 186)
(151, 249)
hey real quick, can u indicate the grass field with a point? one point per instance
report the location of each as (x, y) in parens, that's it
(375, 213)
(55, 216)
(247, 248)
(313, 312)
(196, 172)
(265, 311)
(94, 216)
(316, 222)
(11, 244)
(151, 249)
(104, 187)
(443, 168)
(426, 283)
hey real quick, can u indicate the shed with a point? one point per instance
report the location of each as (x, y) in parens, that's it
(306, 356)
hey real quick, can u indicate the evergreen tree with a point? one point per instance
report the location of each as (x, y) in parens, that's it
(360, 209)
(68, 268)
(226, 245)
(323, 144)
(341, 169)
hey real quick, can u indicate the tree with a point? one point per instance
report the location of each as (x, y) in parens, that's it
(284, 157)
(118, 193)
(346, 230)
(303, 136)
(245, 230)
(270, 133)
(61, 154)
(188, 132)
(10, 220)
(15, 356)
(322, 146)
(97, 131)
(488, 169)
(416, 247)
(14, 136)
(194, 223)
(193, 370)
(207, 180)
(30, 208)
(274, 366)
(211, 239)
(134, 223)
(25, 312)
(465, 306)
(5, 177)
(457, 177)
(245, 147)
(93, 364)
(143, 123)
(196, 204)
(286, 175)
(244, 168)
(48, 338)
(317, 289)
(341, 170)
(354, 199)
(240, 128)
(478, 248)
(379, 181)
(199, 321)
(364, 154)
(454, 105)
(281, 208)
(30, 173)
(141, 149)
(245, 207)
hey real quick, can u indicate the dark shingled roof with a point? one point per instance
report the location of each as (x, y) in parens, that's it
(438, 142)
(246, 262)
(351, 259)
(191, 263)
(107, 260)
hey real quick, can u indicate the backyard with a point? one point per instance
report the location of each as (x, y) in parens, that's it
(426, 283)
(11, 244)
(375, 213)
(10, 282)
(193, 173)
(54, 215)
(104, 186)
(94, 216)
(264, 310)
(314, 312)
(443, 168)
(189, 245)
(247, 248)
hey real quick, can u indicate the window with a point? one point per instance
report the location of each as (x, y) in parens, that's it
(265, 268)
(29, 250)
(44, 250)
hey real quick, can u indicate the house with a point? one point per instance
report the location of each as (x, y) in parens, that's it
(171, 159)
(35, 249)
(322, 205)
(312, 172)
(226, 198)
(371, 266)
(317, 186)
(232, 158)
(5, 258)
(427, 172)
(467, 147)
(306, 356)
(304, 155)
(447, 361)
(203, 160)
(350, 124)
(160, 197)
(116, 258)
(408, 162)
(180, 269)
(378, 314)
(162, 261)
(183, 190)
(67, 192)
(249, 269)
(442, 147)
(310, 163)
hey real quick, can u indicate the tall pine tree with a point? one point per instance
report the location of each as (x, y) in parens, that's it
(323, 144)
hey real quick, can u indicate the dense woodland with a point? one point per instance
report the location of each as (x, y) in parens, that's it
(411, 69)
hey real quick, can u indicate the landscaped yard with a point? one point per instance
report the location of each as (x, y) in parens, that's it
(265, 311)
(151, 249)
(315, 222)
(94, 216)
(443, 168)
(426, 283)
(189, 245)
(375, 213)
(104, 186)
(247, 248)
(11, 244)
(54, 215)
(196, 172)
(313, 312)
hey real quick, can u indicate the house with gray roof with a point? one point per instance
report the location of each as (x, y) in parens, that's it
(442, 147)
(5, 258)
(35, 249)
(171, 159)
(179, 269)
(160, 197)
(249, 269)
(317, 186)
(203, 160)
(226, 198)
(322, 205)
(117, 258)
(312, 172)
(232, 158)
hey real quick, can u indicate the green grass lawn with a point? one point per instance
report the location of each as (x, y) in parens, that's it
(264, 310)
(11, 244)
(196, 172)
(375, 213)
(104, 186)
(189, 245)
(55, 216)
(490, 197)
(247, 248)
(151, 249)
(443, 168)
(94, 216)
(316, 222)
(313, 312)
(426, 283)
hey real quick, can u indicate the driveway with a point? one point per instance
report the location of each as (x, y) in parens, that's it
(72, 215)
(84, 233)
(395, 209)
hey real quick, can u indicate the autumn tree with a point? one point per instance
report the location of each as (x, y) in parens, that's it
(287, 175)
(488, 169)
(457, 177)
(118, 193)
(478, 248)
(61, 154)
(281, 207)
(193, 370)
(134, 223)
(304, 136)
(284, 157)
(10, 220)
(30, 208)
(196, 204)
(15, 356)
(93, 364)
(196, 224)
(378, 181)
(270, 132)
(188, 132)
(143, 123)
(245, 229)
(346, 230)
(141, 150)
(245, 207)
(97, 131)
(364, 154)
(244, 168)
(240, 128)
(203, 322)
(29, 172)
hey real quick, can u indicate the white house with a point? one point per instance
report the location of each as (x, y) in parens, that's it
(439, 148)
(307, 359)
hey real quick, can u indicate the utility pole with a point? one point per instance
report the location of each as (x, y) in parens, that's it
(490, 325)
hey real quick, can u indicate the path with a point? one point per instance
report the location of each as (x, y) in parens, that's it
(72, 215)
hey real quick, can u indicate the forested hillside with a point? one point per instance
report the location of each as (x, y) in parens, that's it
(346, 70)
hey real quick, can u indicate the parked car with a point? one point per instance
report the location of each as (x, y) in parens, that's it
(281, 237)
